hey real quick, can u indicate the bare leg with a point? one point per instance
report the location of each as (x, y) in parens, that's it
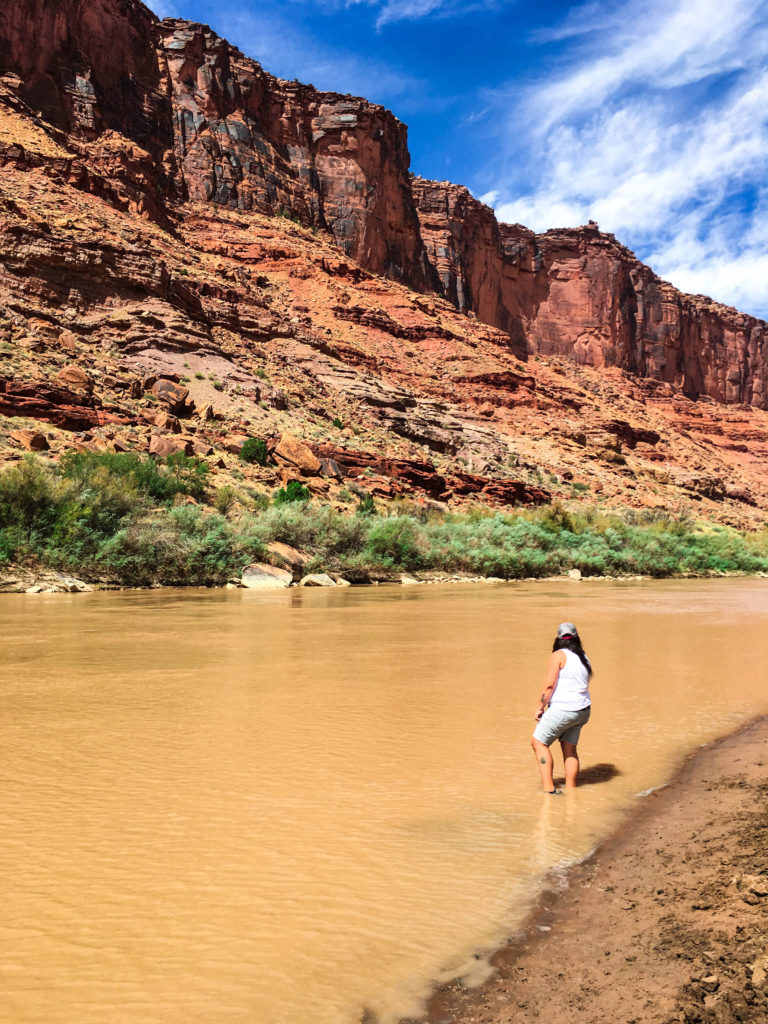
(571, 764)
(545, 763)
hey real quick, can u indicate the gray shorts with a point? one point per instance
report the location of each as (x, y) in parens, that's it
(565, 726)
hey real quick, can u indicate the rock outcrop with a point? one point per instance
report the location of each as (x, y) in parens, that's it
(580, 294)
(247, 140)
(120, 85)
(50, 403)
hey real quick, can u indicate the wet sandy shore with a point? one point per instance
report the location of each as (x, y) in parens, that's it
(668, 922)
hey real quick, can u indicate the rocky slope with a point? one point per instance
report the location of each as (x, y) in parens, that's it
(192, 252)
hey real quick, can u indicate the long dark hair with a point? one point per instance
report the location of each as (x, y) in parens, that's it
(573, 644)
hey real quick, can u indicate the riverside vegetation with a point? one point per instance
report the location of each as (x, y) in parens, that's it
(128, 520)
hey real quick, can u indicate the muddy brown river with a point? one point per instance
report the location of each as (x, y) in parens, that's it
(292, 808)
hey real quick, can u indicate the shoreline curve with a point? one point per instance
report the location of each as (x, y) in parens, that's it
(661, 923)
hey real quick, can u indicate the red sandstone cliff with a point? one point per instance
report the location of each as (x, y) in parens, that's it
(253, 142)
(580, 294)
(151, 115)
(216, 126)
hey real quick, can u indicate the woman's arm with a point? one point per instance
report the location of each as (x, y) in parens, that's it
(555, 663)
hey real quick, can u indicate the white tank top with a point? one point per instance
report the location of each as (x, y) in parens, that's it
(572, 689)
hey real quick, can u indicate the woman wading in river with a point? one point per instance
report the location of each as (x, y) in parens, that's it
(564, 706)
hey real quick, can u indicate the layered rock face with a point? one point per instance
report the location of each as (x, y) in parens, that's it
(581, 295)
(216, 126)
(250, 141)
(88, 67)
(469, 253)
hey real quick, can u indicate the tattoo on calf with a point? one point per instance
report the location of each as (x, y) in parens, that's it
(542, 760)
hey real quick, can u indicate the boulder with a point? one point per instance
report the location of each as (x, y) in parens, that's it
(32, 440)
(574, 574)
(163, 445)
(294, 453)
(173, 395)
(259, 576)
(101, 444)
(331, 468)
(234, 445)
(317, 579)
(316, 484)
(756, 884)
(289, 557)
(707, 485)
(165, 421)
(71, 585)
(738, 493)
(68, 342)
(74, 378)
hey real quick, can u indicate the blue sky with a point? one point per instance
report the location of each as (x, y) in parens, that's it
(648, 116)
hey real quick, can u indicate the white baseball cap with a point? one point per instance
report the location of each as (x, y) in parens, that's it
(566, 629)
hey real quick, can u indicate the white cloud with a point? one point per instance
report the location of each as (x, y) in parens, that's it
(391, 11)
(579, 21)
(662, 138)
(407, 10)
(710, 265)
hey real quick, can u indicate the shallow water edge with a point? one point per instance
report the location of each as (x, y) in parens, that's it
(15, 580)
(456, 1002)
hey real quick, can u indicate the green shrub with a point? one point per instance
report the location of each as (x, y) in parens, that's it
(254, 451)
(366, 506)
(293, 491)
(29, 497)
(395, 543)
(112, 515)
(224, 499)
(338, 423)
(188, 473)
(176, 474)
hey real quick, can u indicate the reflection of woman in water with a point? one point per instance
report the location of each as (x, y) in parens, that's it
(564, 706)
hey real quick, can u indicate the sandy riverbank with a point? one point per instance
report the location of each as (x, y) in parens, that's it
(668, 922)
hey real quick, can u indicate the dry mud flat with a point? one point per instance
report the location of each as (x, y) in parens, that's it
(667, 923)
